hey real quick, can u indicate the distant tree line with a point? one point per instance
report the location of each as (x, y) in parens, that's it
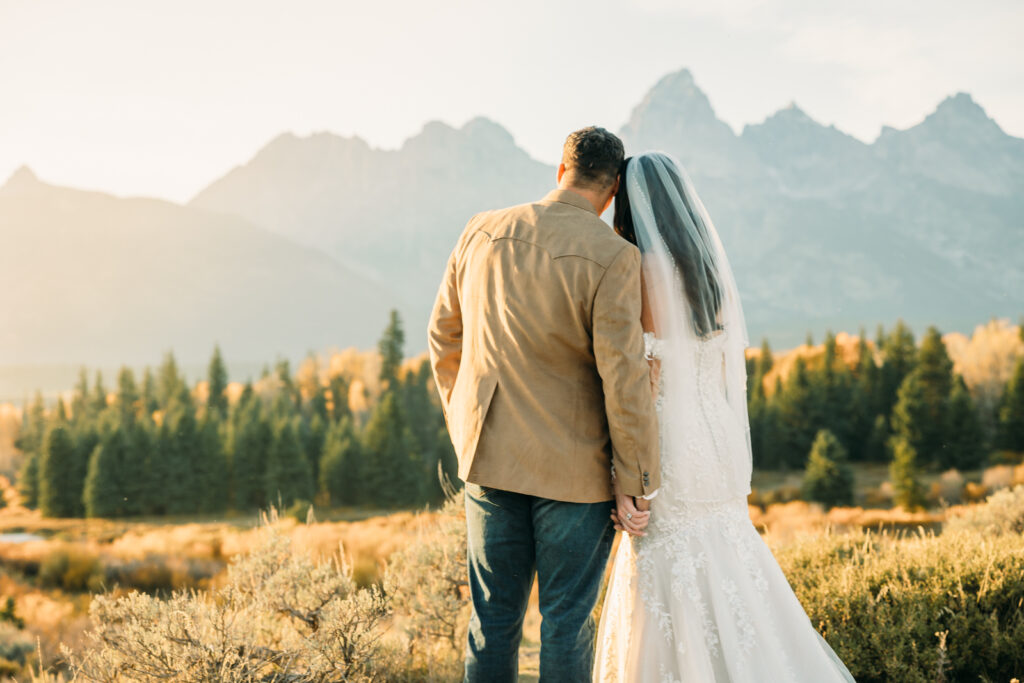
(898, 403)
(155, 450)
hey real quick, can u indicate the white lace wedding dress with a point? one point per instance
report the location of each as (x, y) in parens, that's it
(701, 599)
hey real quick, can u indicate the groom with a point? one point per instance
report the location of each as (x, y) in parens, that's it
(537, 352)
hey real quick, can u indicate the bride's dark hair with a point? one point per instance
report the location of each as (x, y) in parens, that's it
(678, 240)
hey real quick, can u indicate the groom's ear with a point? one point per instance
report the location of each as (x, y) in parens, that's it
(561, 172)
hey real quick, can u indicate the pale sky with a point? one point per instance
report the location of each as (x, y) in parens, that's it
(159, 98)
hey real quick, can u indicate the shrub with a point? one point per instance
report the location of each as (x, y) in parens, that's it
(905, 475)
(828, 479)
(998, 477)
(71, 569)
(15, 644)
(429, 583)
(9, 615)
(949, 487)
(1002, 514)
(881, 600)
(279, 616)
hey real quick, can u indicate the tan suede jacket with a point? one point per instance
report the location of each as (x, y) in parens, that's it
(537, 351)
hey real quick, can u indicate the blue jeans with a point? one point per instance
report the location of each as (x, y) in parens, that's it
(511, 535)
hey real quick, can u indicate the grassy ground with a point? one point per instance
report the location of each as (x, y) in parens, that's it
(50, 579)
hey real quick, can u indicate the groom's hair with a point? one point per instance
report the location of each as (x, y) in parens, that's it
(592, 157)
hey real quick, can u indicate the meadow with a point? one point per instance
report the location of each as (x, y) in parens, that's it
(910, 596)
(222, 531)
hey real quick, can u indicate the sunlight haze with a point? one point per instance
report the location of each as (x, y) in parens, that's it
(160, 99)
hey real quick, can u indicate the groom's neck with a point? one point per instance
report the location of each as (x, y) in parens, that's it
(599, 199)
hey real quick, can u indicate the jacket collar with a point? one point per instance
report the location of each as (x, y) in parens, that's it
(571, 198)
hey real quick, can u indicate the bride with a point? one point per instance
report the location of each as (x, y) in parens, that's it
(699, 597)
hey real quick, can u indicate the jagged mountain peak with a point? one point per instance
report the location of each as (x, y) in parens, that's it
(481, 127)
(961, 105)
(676, 94)
(22, 178)
(479, 131)
(681, 81)
(288, 142)
(956, 116)
(793, 113)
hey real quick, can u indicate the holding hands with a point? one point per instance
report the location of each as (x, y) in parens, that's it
(631, 514)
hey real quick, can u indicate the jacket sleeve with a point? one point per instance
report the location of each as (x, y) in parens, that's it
(444, 333)
(625, 376)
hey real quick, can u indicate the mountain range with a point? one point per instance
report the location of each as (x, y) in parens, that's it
(311, 241)
(95, 279)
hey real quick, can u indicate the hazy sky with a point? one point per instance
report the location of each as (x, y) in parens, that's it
(159, 98)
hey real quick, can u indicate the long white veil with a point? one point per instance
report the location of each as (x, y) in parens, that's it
(698, 320)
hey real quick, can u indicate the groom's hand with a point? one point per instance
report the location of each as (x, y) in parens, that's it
(630, 518)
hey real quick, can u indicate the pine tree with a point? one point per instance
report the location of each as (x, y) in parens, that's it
(162, 465)
(211, 466)
(170, 385)
(904, 474)
(340, 465)
(116, 471)
(863, 389)
(391, 348)
(424, 419)
(338, 404)
(86, 436)
(30, 443)
(392, 470)
(963, 446)
(935, 370)
(911, 416)
(876, 447)
(127, 401)
(80, 397)
(799, 407)
(837, 395)
(314, 434)
(828, 479)
(763, 365)
(282, 407)
(181, 451)
(57, 487)
(318, 402)
(134, 475)
(766, 435)
(247, 393)
(150, 404)
(102, 489)
(288, 476)
(289, 389)
(217, 379)
(98, 403)
(60, 413)
(28, 480)
(899, 355)
(249, 448)
(1011, 410)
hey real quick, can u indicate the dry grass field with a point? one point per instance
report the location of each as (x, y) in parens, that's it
(52, 579)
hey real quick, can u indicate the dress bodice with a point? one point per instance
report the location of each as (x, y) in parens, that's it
(703, 447)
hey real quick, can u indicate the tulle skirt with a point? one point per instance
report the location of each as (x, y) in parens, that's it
(702, 599)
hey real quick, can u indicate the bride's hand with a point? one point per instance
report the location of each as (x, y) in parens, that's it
(627, 517)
